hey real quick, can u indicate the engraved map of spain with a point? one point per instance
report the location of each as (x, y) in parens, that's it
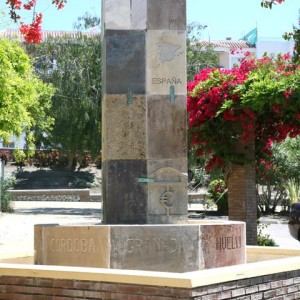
(167, 58)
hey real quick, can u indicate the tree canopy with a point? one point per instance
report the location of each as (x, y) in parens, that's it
(198, 56)
(260, 99)
(24, 99)
(73, 65)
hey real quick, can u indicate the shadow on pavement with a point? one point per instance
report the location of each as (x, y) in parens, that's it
(60, 211)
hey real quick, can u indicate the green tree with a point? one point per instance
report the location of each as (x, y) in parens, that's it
(198, 55)
(24, 99)
(279, 179)
(87, 21)
(72, 63)
(198, 58)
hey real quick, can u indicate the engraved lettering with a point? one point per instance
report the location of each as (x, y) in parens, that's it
(83, 245)
(156, 243)
(147, 245)
(166, 81)
(57, 245)
(69, 245)
(130, 248)
(52, 242)
(72, 245)
(138, 244)
(173, 246)
(224, 246)
(63, 245)
(91, 246)
(155, 246)
(164, 247)
(76, 245)
(228, 243)
(218, 244)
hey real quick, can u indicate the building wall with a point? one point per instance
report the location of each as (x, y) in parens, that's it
(278, 286)
(224, 60)
(273, 47)
(229, 55)
(15, 142)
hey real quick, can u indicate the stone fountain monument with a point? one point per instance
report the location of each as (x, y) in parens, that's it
(145, 225)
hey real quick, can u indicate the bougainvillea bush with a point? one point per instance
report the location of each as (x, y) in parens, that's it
(32, 32)
(259, 99)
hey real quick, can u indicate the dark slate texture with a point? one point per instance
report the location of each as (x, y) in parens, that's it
(124, 61)
(124, 198)
(165, 248)
(166, 133)
(166, 15)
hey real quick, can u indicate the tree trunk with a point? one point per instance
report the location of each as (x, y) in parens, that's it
(71, 166)
(242, 202)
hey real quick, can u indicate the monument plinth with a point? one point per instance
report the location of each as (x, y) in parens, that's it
(168, 248)
(144, 153)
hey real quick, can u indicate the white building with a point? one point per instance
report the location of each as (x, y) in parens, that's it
(14, 142)
(273, 46)
(229, 51)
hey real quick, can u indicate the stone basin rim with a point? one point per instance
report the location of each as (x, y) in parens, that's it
(189, 223)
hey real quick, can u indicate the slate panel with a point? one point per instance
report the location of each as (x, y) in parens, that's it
(168, 248)
(124, 61)
(124, 127)
(76, 245)
(116, 14)
(139, 14)
(223, 245)
(124, 14)
(179, 164)
(166, 62)
(124, 198)
(167, 14)
(167, 127)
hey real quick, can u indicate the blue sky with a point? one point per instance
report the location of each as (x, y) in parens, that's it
(224, 18)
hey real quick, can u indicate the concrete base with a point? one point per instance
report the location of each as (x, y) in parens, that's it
(194, 246)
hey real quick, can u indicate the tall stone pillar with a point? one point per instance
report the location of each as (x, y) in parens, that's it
(144, 146)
